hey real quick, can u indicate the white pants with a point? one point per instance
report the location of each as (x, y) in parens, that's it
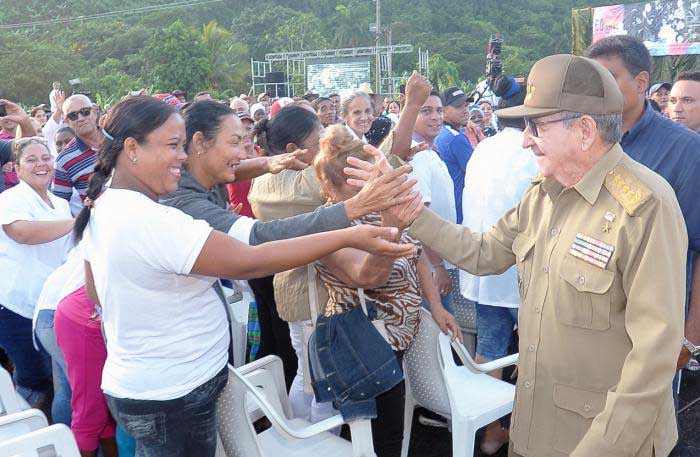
(304, 405)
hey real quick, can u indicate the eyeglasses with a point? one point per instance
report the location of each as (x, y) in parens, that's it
(532, 125)
(75, 114)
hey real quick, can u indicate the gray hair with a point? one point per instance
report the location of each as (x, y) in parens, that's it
(609, 125)
(345, 104)
(74, 98)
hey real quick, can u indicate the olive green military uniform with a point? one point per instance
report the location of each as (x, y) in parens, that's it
(601, 269)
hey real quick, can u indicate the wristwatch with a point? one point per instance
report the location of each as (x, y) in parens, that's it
(694, 350)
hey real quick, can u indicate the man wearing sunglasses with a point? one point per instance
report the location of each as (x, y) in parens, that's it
(600, 245)
(76, 162)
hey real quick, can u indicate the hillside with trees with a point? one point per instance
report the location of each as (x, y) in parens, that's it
(209, 44)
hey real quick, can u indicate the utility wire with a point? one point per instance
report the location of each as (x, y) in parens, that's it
(143, 9)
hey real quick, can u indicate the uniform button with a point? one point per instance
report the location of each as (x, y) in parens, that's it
(531, 348)
(581, 279)
(554, 232)
(587, 408)
(527, 384)
(537, 309)
(545, 269)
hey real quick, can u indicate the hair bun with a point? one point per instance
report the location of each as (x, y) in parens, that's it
(337, 139)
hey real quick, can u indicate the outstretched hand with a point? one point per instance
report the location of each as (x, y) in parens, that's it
(402, 215)
(288, 161)
(376, 240)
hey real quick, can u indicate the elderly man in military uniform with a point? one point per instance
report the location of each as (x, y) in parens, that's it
(600, 246)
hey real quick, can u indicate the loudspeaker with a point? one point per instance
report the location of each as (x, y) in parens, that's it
(275, 77)
(276, 90)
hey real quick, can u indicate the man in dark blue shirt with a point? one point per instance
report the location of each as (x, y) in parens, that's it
(668, 148)
(452, 144)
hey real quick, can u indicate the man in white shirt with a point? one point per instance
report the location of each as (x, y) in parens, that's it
(52, 95)
(437, 188)
(498, 174)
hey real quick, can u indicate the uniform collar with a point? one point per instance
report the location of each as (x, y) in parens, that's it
(589, 186)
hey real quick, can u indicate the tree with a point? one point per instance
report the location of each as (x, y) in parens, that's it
(177, 59)
(227, 59)
(350, 24)
(443, 73)
(300, 32)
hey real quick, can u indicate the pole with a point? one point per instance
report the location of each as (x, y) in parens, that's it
(377, 40)
(389, 66)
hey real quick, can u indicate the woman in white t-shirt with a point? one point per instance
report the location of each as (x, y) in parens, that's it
(34, 240)
(152, 268)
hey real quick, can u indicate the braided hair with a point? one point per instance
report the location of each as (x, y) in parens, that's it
(134, 117)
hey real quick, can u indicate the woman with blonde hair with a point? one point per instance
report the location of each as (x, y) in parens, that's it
(395, 287)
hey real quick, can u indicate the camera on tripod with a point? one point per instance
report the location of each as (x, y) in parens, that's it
(494, 64)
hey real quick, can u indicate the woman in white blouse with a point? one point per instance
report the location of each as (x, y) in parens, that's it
(34, 240)
(357, 113)
(152, 268)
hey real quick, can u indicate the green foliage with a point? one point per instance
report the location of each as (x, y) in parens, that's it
(176, 57)
(210, 46)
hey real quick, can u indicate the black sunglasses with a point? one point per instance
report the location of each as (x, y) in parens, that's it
(532, 125)
(75, 114)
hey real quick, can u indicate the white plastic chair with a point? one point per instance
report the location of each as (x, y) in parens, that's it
(238, 303)
(262, 381)
(10, 401)
(41, 442)
(466, 395)
(18, 424)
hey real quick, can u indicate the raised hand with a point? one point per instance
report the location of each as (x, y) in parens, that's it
(60, 99)
(14, 112)
(418, 89)
(375, 240)
(363, 169)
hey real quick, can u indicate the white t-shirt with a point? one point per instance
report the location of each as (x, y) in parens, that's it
(64, 280)
(25, 267)
(435, 185)
(166, 330)
(498, 174)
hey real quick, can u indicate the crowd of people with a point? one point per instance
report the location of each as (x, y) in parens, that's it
(561, 209)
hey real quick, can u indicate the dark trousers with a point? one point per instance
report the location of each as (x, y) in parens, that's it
(182, 427)
(32, 368)
(274, 332)
(387, 428)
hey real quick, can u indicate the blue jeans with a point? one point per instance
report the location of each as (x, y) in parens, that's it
(60, 408)
(494, 329)
(182, 427)
(32, 368)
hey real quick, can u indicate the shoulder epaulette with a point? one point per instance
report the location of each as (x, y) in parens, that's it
(627, 189)
(537, 179)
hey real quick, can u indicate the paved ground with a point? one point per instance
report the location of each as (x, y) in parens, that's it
(436, 442)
